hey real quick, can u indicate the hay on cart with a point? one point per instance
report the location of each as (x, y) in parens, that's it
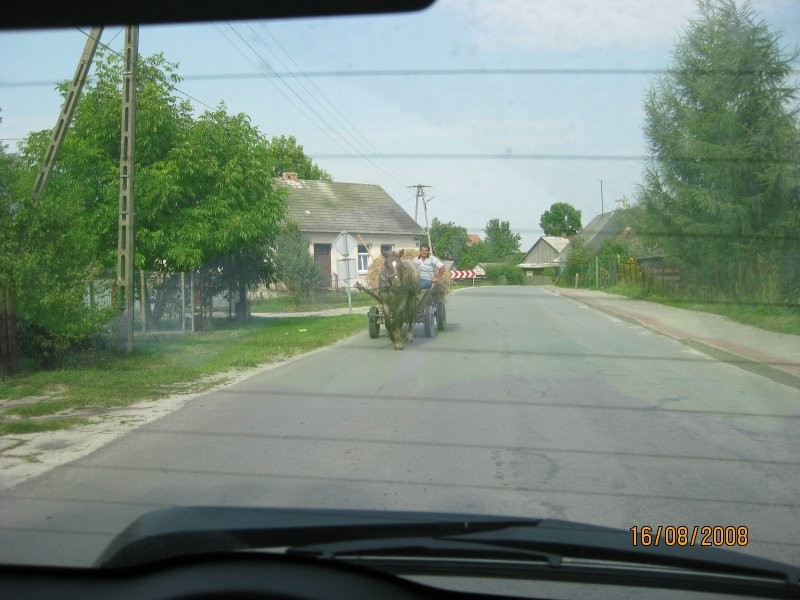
(373, 276)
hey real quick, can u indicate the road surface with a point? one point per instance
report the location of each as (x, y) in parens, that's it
(528, 404)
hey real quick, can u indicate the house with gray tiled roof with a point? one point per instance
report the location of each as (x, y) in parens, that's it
(323, 209)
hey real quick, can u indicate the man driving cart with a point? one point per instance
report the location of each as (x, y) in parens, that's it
(431, 269)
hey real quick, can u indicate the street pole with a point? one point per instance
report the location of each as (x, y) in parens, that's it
(421, 194)
(125, 232)
(602, 211)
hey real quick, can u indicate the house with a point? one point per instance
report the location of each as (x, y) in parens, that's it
(323, 209)
(598, 231)
(543, 254)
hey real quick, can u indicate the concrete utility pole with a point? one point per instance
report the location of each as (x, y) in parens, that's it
(67, 110)
(126, 231)
(421, 194)
(8, 321)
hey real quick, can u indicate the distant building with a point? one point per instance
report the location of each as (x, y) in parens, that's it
(543, 254)
(323, 209)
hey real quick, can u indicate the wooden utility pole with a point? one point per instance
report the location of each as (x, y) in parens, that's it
(126, 232)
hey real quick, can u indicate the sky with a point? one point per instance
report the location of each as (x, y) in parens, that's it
(500, 107)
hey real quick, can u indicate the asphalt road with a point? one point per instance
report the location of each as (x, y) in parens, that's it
(528, 404)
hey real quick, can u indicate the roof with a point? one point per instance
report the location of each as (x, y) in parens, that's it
(598, 231)
(556, 243)
(602, 228)
(544, 253)
(327, 206)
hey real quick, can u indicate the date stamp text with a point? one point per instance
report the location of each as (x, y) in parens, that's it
(690, 535)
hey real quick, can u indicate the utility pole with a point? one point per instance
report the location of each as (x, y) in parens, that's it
(126, 232)
(67, 110)
(602, 211)
(421, 194)
(9, 352)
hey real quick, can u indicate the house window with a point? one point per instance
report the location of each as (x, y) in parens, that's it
(387, 247)
(363, 259)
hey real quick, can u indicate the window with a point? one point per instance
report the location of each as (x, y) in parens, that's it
(364, 259)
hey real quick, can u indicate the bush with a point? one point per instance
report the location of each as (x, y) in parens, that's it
(59, 349)
(512, 274)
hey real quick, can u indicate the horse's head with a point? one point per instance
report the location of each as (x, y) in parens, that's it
(392, 267)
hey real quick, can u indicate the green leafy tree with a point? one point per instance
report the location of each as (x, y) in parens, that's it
(290, 157)
(9, 177)
(204, 198)
(293, 263)
(501, 241)
(562, 220)
(448, 239)
(721, 192)
(479, 252)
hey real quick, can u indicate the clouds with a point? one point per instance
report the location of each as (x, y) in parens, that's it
(572, 25)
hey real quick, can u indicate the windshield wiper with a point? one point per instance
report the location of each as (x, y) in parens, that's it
(451, 544)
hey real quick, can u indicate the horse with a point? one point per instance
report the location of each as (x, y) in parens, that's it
(397, 293)
(398, 289)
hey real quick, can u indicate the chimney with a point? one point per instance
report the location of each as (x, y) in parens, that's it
(288, 176)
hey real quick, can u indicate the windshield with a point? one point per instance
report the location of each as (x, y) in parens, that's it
(525, 258)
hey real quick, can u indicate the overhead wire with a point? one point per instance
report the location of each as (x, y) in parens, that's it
(319, 121)
(348, 125)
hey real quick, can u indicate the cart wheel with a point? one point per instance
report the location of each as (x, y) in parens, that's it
(428, 322)
(374, 323)
(441, 316)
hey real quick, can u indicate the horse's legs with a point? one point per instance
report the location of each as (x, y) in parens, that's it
(411, 316)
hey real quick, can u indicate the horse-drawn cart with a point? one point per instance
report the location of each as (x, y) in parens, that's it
(394, 282)
(430, 313)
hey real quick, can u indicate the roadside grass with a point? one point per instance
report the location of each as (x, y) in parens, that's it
(160, 365)
(314, 302)
(770, 317)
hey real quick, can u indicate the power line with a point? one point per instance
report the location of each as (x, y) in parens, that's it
(348, 124)
(119, 54)
(325, 127)
(455, 72)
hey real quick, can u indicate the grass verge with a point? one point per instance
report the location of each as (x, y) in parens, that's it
(160, 365)
(770, 317)
(315, 302)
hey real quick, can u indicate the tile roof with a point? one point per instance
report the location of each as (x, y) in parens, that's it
(326, 206)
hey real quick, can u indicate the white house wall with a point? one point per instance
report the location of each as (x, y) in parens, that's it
(373, 242)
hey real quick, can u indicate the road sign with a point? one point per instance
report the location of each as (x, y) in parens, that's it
(346, 269)
(344, 244)
(462, 274)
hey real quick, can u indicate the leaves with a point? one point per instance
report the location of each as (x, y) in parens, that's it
(561, 220)
(723, 136)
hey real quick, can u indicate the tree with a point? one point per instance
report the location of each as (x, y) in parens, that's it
(204, 192)
(448, 239)
(500, 240)
(289, 157)
(479, 252)
(561, 220)
(294, 264)
(721, 190)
